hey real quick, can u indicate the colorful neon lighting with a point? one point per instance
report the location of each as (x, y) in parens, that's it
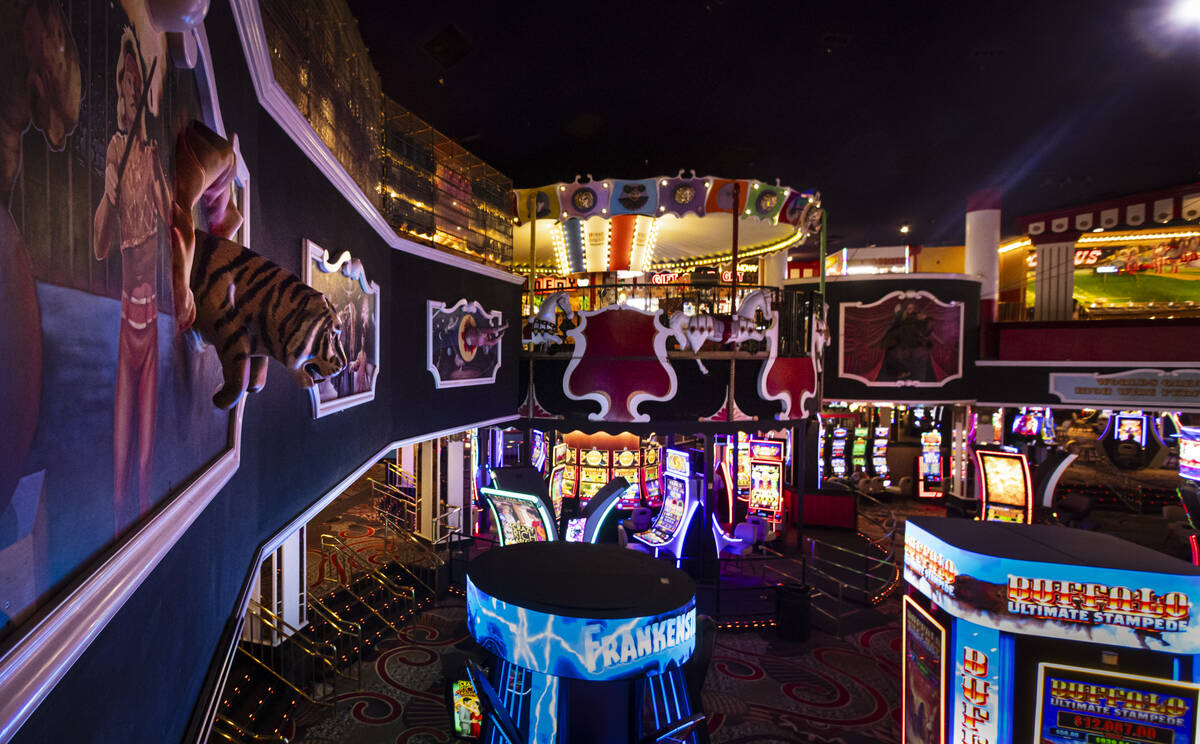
(923, 655)
(1007, 487)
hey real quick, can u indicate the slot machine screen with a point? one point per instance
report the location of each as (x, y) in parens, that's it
(765, 488)
(632, 497)
(672, 510)
(1078, 705)
(591, 480)
(860, 447)
(1027, 423)
(556, 489)
(570, 477)
(650, 479)
(518, 516)
(468, 715)
(575, 529)
(561, 453)
(1007, 487)
(924, 658)
(537, 442)
(1189, 453)
(596, 458)
(1131, 427)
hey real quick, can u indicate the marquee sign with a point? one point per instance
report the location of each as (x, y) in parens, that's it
(1097, 605)
(1139, 388)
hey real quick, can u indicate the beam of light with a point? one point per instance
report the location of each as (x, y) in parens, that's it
(1185, 13)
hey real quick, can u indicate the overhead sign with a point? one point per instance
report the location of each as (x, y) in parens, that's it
(1135, 388)
(1111, 606)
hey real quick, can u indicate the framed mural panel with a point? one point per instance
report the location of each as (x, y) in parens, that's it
(356, 300)
(113, 445)
(463, 343)
(904, 339)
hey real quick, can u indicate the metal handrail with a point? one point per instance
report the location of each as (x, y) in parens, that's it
(284, 680)
(445, 531)
(335, 543)
(243, 733)
(343, 628)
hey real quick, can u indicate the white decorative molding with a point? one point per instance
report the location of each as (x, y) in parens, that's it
(36, 663)
(351, 268)
(283, 110)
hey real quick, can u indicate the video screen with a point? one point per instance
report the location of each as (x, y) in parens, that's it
(924, 676)
(839, 433)
(556, 489)
(468, 715)
(765, 487)
(1004, 477)
(575, 529)
(1027, 424)
(1189, 453)
(1091, 705)
(672, 509)
(517, 517)
(538, 445)
(1131, 427)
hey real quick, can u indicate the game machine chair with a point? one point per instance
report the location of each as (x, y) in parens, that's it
(747, 536)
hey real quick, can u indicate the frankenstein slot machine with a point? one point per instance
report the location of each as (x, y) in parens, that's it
(766, 480)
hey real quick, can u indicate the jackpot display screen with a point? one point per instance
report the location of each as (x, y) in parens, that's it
(1092, 706)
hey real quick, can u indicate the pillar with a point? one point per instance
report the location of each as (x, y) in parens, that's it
(1054, 279)
(982, 256)
(774, 269)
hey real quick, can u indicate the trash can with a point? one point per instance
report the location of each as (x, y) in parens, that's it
(793, 605)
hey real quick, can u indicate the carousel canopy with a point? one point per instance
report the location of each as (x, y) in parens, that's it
(669, 222)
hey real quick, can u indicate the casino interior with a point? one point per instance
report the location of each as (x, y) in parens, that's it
(627, 459)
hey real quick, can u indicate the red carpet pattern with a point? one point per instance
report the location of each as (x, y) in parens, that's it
(759, 688)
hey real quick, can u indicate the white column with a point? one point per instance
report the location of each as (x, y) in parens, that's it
(1054, 280)
(774, 269)
(427, 491)
(455, 469)
(982, 258)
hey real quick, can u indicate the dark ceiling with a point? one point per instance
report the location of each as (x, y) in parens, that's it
(896, 111)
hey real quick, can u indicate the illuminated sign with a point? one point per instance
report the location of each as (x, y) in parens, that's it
(678, 463)
(977, 685)
(468, 717)
(1007, 487)
(766, 449)
(582, 648)
(1189, 453)
(1093, 705)
(1112, 606)
(675, 277)
(924, 671)
(1141, 388)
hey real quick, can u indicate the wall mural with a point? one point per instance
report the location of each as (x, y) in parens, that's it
(906, 338)
(463, 344)
(108, 410)
(620, 361)
(356, 300)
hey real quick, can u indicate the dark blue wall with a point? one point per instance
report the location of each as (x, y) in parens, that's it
(140, 679)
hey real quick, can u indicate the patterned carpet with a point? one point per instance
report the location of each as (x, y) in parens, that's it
(759, 688)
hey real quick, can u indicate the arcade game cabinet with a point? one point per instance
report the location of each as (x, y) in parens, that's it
(1020, 633)
(930, 470)
(837, 453)
(879, 465)
(586, 526)
(1005, 484)
(520, 505)
(651, 483)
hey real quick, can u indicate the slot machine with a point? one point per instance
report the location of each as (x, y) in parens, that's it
(537, 446)
(683, 486)
(837, 452)
(929, 482)
(593, 474)
(879, 466)
(739, 447)
(858, 452)
(626, 464)
(1007, 485)
(651, 482)
(1040, 633)
(766, 480)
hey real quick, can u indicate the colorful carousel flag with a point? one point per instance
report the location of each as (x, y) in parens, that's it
(584, 199)
(634, 197)
(766, 201)
(544, 200)
(720, 196)
(679, 196)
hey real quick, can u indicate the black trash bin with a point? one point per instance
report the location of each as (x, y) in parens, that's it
(793, 605)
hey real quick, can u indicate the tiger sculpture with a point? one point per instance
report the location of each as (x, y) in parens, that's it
(246, 306)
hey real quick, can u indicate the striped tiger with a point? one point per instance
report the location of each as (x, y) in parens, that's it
(250, 308)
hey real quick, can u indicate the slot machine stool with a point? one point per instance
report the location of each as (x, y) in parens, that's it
(581, 635)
